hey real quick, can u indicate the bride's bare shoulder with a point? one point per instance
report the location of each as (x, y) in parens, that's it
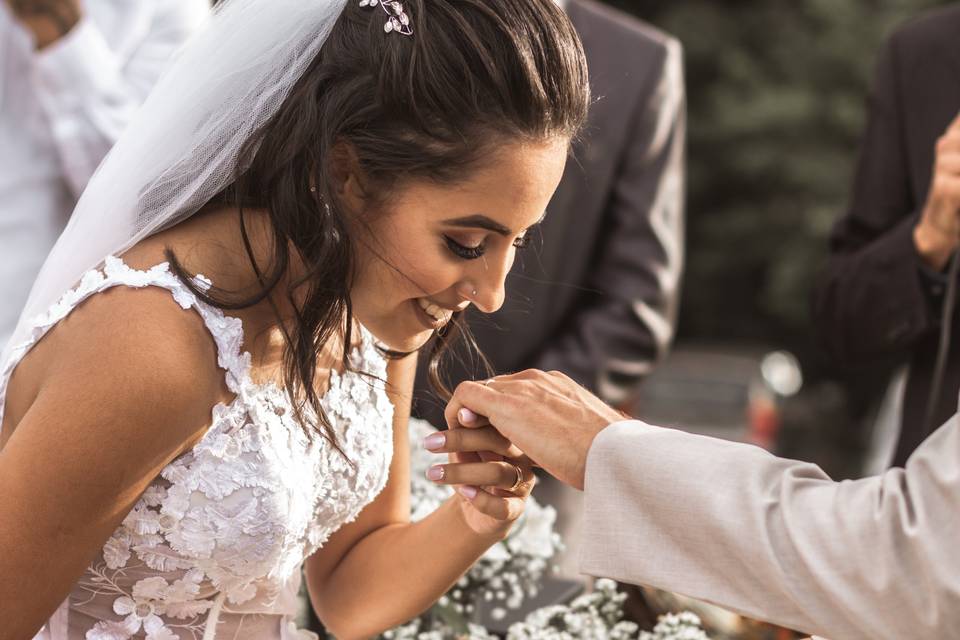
(106, 400)
(124, 337)
(135, 346)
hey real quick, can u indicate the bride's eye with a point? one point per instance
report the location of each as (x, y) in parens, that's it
(463, 251)
(522, 242)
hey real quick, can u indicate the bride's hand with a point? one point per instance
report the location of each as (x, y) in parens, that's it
(493, 477)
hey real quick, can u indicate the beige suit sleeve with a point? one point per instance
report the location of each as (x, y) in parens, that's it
(777, 539)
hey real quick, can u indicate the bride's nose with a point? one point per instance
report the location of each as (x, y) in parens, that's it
(486, 288)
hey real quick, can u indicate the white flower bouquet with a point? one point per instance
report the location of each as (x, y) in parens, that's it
(599, 616)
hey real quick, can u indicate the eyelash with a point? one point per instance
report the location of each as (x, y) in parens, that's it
(473, 253)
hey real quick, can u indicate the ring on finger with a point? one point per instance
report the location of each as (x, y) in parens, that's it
(488, 383)
(520, 481)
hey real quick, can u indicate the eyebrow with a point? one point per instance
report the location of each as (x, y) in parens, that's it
(479, 221)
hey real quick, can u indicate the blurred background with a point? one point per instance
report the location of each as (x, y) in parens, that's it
(776, 95)
(776, 105)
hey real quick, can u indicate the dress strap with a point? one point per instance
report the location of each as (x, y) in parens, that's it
(227, 331)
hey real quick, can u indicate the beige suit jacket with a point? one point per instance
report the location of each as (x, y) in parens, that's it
(777, 539)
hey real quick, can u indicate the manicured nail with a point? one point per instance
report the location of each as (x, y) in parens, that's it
(436, 472)
(467, 491)
(434, 441)
(466, 416)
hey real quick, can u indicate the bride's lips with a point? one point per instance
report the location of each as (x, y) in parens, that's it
(431, 314)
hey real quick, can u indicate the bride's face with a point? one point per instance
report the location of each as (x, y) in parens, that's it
(436, 249)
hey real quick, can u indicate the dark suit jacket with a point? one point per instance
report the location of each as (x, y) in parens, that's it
(877, 303)
(597, 298)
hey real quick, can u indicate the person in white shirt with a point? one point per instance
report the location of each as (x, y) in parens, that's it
(72, 72)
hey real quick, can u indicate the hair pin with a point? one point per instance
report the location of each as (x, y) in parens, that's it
(397, 20)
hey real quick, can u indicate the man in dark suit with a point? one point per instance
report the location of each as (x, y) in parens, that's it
(881, 298)
(597, 298)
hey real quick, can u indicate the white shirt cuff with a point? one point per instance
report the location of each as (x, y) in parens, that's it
(606, 516)
(77, 63)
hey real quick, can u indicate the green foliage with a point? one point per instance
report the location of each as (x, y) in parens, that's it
(777, 93)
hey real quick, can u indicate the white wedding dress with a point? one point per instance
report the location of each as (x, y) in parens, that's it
(213, 548)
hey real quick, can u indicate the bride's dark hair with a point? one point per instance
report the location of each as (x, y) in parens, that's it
(474, 75)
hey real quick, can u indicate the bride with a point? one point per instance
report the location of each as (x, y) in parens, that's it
(210, 385)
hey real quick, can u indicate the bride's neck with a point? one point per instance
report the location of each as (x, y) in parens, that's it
(246, 264)
(211, 242)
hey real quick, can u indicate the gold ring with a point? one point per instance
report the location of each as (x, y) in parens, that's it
(519, 483)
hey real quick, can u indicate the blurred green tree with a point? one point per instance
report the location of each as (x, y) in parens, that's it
(777, 95)
(777, 92)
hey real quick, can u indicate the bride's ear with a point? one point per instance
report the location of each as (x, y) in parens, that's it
(350, 182)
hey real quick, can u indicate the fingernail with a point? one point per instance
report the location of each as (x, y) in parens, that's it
(467, 491)
(434, 441)
(435, 472)
(466, 416)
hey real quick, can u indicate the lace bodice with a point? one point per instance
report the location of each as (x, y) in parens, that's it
(213, 547)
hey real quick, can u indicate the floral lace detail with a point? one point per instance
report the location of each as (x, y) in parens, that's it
(225, 527)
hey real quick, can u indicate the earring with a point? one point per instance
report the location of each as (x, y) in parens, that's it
(313, 189)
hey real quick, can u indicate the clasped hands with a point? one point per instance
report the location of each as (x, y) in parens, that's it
(499, 429)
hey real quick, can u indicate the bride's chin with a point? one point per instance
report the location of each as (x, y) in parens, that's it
(405, 344)
(402, 332)
(419, 341)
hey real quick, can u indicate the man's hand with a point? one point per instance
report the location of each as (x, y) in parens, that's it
(548, 416)
(938, 233)
(49, 20)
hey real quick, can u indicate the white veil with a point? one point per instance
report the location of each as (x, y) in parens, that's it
(183, 145)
